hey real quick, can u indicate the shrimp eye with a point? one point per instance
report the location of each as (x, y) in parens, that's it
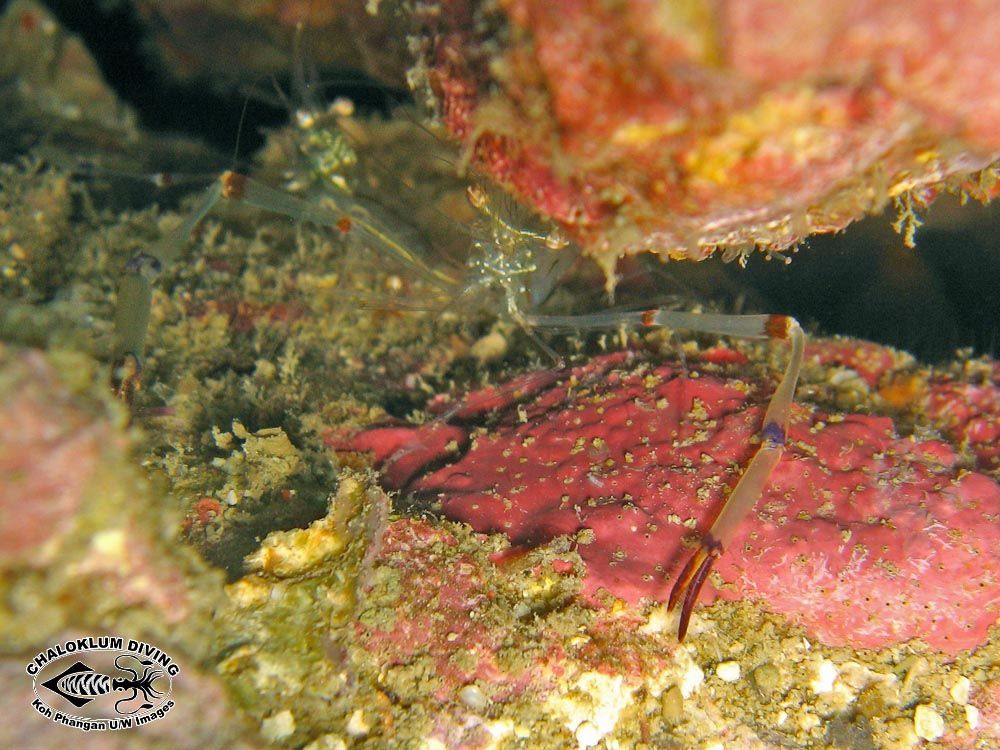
(555, 240)
(477, 196)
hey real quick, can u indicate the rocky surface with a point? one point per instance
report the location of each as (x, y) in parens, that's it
(865, 536)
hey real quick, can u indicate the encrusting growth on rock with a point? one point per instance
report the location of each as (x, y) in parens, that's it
(866, 537)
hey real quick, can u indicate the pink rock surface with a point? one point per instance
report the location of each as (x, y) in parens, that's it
(450, 626)
(48, 454)
(675, 129)
(970, 414)
(864, 536)
(66, 497)
(435, 615)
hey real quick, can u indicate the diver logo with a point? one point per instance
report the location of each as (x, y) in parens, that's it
(102, 683)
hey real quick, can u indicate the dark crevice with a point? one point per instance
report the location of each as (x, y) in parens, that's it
(210, 110)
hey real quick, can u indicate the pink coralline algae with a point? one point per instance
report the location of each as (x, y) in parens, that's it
(409, 546)
(66, 503)
(643, 127)
(970, 414)
(864, 536)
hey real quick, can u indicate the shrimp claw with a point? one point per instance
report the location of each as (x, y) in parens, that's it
(773, 434)
(691, 579)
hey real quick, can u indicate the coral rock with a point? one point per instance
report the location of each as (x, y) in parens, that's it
(865, 536)
(76, 527)
(682, 127)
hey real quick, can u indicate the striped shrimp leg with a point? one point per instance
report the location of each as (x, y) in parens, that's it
(772, 433)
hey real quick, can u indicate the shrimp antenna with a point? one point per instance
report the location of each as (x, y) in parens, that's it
(239, 133)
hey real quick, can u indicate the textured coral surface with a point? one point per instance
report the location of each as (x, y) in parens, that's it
(674, 127)
(85, 549)
(865, 536)
(353, 623)
(456, 643)
(679, 127)
(58, 453)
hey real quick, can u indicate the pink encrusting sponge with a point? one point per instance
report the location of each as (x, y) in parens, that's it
(864, 537)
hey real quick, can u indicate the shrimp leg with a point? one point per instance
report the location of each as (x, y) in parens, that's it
(132, 312)
(773, 431)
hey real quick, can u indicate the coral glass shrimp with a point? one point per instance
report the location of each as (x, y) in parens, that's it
(523, 265)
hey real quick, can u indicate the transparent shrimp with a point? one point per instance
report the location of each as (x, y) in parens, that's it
(339, 211)
(522, 264)
(512, 257)
(503, 254)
